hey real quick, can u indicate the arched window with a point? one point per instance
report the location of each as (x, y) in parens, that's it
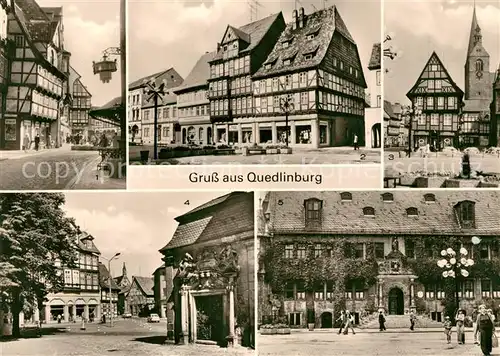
(479, 65)
(466, 213)
(346, 196)
(429, 198)
(412, 211)
(368, 211)
(200, 136)
(388, 197)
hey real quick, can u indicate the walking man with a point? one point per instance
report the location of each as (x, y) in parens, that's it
(349, 322)
(447, 329)
(460, 319)
(37, 142)
(356, 145)
(342, 320)
(381, 321)
(413, 319)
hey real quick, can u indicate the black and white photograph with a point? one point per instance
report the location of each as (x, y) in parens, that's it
(385, 272)
(442, 94)
(254, 82)
(151, 273)
(62, 79)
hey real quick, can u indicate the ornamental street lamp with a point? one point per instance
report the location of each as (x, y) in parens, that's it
(154, 92)
(391, 52)
(411, 112)
(287, 106)
(109, 284)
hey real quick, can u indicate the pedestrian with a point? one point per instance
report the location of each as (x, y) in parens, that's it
(460, 320)
(49, 141)
(37, 142)
(26, 143)
(115, 142)
(342, 319)
(474, 325)
(59, 318)
(486, 328)
(413, 319)
(104, 141)
(447, 329)
(381, 321)
(356, 144)
(349, 322)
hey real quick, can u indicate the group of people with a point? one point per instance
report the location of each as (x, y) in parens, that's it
(27, 143)
(483, 324)
(346, 319)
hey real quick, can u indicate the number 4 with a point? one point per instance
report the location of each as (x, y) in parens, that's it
(186, 202)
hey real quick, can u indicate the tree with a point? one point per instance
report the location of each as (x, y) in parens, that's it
(36, 238)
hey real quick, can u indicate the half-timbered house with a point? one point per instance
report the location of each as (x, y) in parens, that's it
(140, 298)
(438, 99)
(38, 68)
(80, 106)
(316, 63)
(240, 54)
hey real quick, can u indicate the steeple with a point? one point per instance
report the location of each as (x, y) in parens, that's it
(475, 32)
(124, 270)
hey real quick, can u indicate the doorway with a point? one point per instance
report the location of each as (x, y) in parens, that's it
(396, 302)
(326, 320)
(210, 318)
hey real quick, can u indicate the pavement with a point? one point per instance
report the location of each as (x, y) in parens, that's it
(327, 155)
(53, 169)
(128, 337)
(366, 343)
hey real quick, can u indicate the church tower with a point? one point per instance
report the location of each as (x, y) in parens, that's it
(124, 271)
(477, 65)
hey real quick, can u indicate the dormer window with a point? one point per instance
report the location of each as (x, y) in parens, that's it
(369, 211)
(313, 208)
(346, 196)
(287, 61)
(387, 197)
(412, 211)
(286, 44)
(465, 211)
(311, 36)
(429, 198)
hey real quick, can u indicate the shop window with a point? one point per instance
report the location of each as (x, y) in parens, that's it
(303, 134)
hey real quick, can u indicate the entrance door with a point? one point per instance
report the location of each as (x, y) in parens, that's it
(396, 302)
(210, 318)
(327, 320)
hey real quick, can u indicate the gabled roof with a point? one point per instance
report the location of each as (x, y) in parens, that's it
(32, 11)
(375, 57)
(104, 278)
(82, 245)
(199, 74)
(434, 58)
(253, 33)
(346, 217)
(146, 284)
(240, 34)
(325, 23)
(388, 109)
(139, 83)
(208, 204)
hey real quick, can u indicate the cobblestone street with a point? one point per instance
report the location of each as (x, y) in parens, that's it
(48, 170)
(365, 343)
(127, 337)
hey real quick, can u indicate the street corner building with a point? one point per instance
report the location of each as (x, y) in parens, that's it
(140, 296)
(323, 252)
(34, 67)
(209, 270)
(449, 116)
(307, 80)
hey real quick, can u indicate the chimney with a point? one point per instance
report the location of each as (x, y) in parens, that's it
(295, 20)
(218, 46)
(302, 18)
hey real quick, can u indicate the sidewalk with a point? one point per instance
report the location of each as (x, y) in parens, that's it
(92, 178)
(16, 154)
(388, 331)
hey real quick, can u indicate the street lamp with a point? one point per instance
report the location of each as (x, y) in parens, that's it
(287, 106)
(154, 92)
(411, 113)
(391, 52)
(455, 266)
(109, 284)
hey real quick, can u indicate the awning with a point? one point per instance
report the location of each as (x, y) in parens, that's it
(109, 113)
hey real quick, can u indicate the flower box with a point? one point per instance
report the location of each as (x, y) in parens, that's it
(272, 151)
(285, 151)
(265, 331)
(283, 331)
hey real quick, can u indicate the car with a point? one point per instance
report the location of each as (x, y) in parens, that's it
(153, 318)
(127, 315)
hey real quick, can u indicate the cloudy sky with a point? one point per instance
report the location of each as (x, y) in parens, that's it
(135, 224)
(90, 27)
(422, 27)
(175, 33)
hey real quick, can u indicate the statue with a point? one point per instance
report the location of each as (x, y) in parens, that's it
(229, 260)
(395, 244)
(187, 266)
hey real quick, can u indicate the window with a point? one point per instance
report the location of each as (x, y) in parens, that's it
(469, 288)
(484, 252)
(440, 294)
(465, 210)
(379, 250)
(412, 211)
(287, 62)
(420, 101)
(288, 251)
(359, 250)
(289, 290)
(430, 102)
(485, 288)
(434, 119)
(430, 291)
(346, 196)
(319, 291)
(429, 198)
(479, 65)
(301, 252)
(496, 288)
(447, 119)
(440, 102)
(318, 250)
(313, 211)
(438, 84)
(301, 290)
(422, 119)
(286, 44)
(387, 197)
(378, 77)
(434, 68)
(368, 211)
(329, 290)
(294, 319)
(409, 249)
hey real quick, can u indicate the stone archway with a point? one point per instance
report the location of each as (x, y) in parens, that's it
(326, 320)
(396, 301)
(376, 136)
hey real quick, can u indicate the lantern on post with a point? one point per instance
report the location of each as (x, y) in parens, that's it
(106, 67)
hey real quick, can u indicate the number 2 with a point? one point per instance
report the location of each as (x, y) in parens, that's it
(362, 157)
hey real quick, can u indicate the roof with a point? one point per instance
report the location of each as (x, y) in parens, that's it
(375, 57)
(32, 10)
(146, 284)
(252, 33)
(228, 215)
(199, 74)
(140, 82)
(52, 12)
(388, 109)
(40, 26)
(390, 217)
(165, 100)
(324, 23)
(104, 278)
(108, 111)
(159, 268)
(474, 26)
